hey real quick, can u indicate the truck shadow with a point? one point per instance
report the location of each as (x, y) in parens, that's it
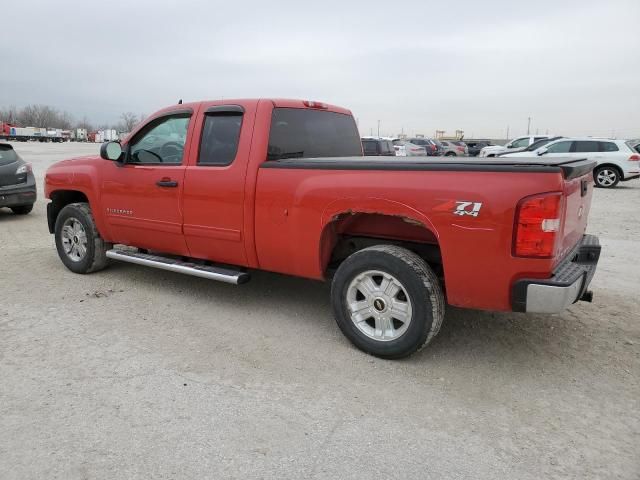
(468, 337)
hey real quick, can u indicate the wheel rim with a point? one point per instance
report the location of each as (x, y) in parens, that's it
(607, 177)
(74, 239)
(379, 305)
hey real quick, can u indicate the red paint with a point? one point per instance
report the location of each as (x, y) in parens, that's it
(287, 220)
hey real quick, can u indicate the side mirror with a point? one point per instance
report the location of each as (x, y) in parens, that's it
(542, 151)
(111, 151)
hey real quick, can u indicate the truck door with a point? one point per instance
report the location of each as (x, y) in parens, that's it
(142, 196)
(214, 191)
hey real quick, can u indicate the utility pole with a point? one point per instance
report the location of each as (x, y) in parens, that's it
(507, 132)
(528, 125)
(378, 128)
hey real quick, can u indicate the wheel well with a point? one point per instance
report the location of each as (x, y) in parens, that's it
(351, 232)
(59, 200)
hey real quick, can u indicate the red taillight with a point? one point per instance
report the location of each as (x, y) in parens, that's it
(537, 225)
(310, 104)
(634, 158)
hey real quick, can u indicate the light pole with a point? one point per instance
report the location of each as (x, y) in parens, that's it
(378, 128)
(528, 124)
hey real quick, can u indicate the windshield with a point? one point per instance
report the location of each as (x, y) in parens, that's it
(7, 154)
(540, 143)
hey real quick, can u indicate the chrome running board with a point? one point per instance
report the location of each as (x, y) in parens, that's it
(220, 274)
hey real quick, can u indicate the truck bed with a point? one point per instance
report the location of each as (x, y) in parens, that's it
(570, 167)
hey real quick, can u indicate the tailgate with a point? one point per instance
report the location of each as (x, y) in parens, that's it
(578, 190)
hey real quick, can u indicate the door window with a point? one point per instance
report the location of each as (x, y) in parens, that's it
(161, 142)
(521, 142)
(369, 147)
(220, 136)
(560, 147)
(586, 147)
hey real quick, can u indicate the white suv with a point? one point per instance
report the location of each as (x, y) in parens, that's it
(617, 159)
(516, 145)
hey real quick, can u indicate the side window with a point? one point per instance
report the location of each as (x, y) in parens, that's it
(369, 147)
(560, 147)
(586, 147)
(220, 135)
(535, 139)
(608, 147)
(161, 142)
(521, 142)
(389, 147)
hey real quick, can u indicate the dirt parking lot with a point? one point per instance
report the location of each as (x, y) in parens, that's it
(139, 373)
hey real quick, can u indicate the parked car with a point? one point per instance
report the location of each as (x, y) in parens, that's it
(451, 149)
(531, 148)
(474, 146)
(378, 147)
(516, 145)
(17, 183)
(463, 145)
(617, 160)
(431, 147)
(216, 189)
(405, 148)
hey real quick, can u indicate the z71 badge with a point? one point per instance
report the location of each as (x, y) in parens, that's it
(468, 208)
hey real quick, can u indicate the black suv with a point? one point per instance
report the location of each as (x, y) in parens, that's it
(474, 146)
(17, 184)
(378, 147)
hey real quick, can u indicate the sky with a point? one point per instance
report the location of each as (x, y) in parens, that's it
(415, 66)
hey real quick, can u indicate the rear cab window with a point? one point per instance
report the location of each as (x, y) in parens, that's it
(309, 133)
(369, 147)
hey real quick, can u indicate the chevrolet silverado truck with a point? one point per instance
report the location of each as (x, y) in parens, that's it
(217, 189)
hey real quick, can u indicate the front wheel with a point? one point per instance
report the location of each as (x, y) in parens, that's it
(606, 177)
(387, 301)
(450, 154)
(78, 242)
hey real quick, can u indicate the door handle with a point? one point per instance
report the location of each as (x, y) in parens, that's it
(167, 183)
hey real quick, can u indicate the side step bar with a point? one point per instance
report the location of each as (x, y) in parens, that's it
(226, 275)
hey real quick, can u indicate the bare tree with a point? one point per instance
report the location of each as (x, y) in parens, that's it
(86, 124)
(129, 120)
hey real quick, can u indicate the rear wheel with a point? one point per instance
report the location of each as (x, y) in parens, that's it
(22, 210)
(606, 177)
(387, 301)
(78, 242)
(449, 154)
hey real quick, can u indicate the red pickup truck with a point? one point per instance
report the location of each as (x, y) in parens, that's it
(218, 188)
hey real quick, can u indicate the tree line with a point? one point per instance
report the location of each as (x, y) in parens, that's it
(45, 116)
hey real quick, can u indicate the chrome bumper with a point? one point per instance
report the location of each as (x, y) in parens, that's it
(568, 284)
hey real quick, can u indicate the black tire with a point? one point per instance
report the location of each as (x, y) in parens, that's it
(449, 154)
(95, 258)
(22, 210)
(606, 176)
(421, 286)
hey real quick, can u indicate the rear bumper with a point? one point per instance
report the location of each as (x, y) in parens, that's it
(568, 283)
(19, 195)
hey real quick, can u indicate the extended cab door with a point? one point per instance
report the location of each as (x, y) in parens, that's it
(142, 196)
(214, 192)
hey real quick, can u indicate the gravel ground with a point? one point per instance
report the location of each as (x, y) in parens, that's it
(138, 373)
